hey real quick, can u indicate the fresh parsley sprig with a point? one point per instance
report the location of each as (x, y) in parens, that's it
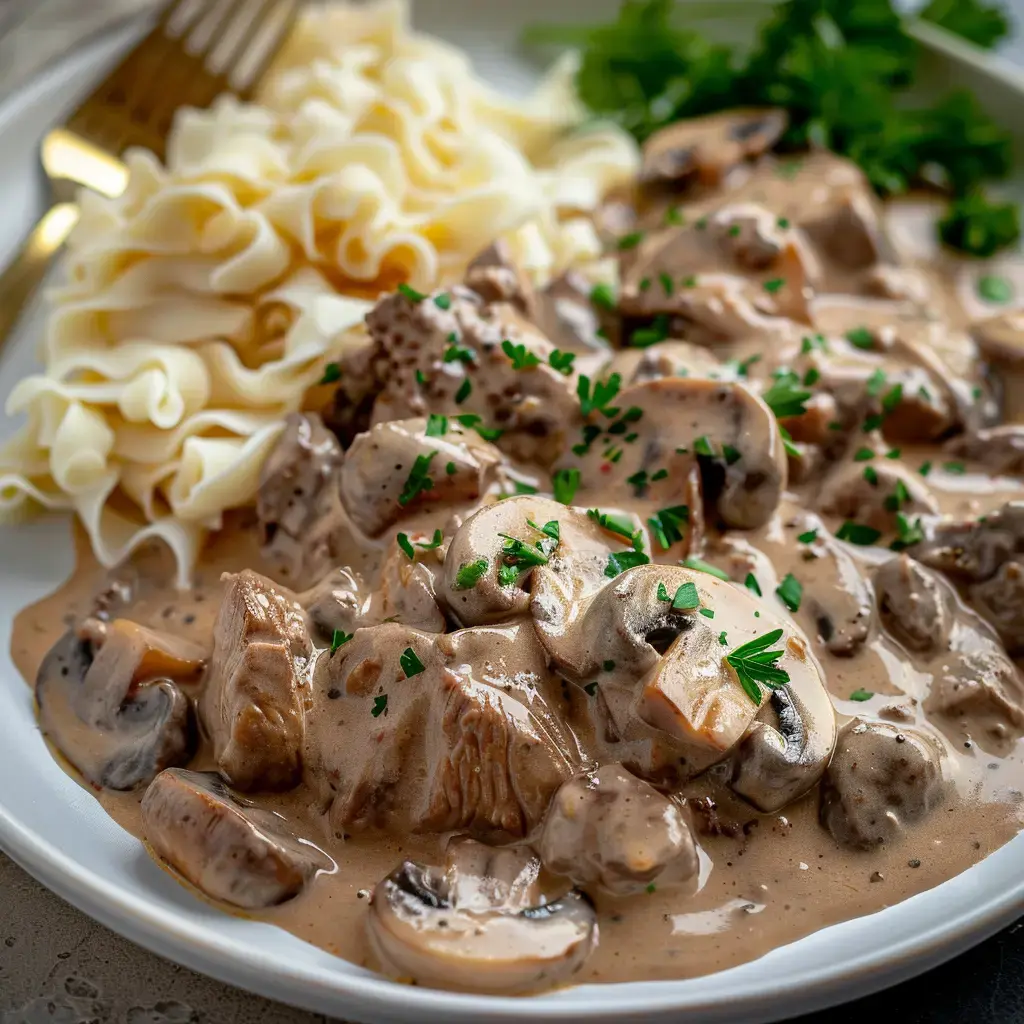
(755, 665)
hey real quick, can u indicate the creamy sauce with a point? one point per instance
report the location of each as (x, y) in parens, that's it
(766, 879)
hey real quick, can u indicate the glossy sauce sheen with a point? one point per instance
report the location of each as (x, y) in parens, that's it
(768, 879)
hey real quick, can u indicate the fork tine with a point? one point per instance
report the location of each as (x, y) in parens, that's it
(250, 79)
(258, 11)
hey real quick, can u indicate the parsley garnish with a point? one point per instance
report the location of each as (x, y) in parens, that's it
(443, 301)
(707, 613)
(957, 468)
(686, 597)
(900, 497)
(855, 533)
(470, 573)
(666, 282)
(451, 469)
(406, 545)
(808, 538)
(417, 481)
(752, 585)
(790, 592)
(523, 488)
(861, 337)
(644, 337)
(410, 293)
(892, 453)
(550, 529)
(977, 226)
(996, 289)
(892, 398)
(464, 391)
(784, 398)
(723, 638)
(663, 594)
(638, 481)
(871, 475)
(774, 285)
(612, 523)
(630, 241)
(522, 358)
(668, 523)
(602, 295)
(562, 361)
(380, 703)
(460, 353)
(590, 689)
(699, 565)
(926, 468)
(909, 532)
(620, 561)
(434, 543)
(861, 695)
(332, 374)
(980, 23)
(338, 638)
(598, 398)
(863, 454)
(437, 426)
(564, 484)
(411, 665)
(754, 664)
(702, 446)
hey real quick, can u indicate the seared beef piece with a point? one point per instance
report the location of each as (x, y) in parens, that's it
(299, 503)
(892, 488)
(985, 558)
(914, 605)
(417, 732)
(257, 689)
(882, 778)
(448, 359)
(609, 828)
(224, 846)
(495, 277)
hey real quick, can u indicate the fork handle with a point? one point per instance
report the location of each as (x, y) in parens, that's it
(23, 275)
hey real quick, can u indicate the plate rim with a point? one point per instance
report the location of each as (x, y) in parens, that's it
(243, 964)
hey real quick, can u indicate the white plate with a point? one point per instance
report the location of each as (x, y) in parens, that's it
(59, 833)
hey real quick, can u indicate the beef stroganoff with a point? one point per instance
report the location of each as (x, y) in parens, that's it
(625, 599)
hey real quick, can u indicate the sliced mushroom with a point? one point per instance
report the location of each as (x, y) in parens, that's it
(299, 504)
(719, 427)
(426, 924)
(1001, 343)
(882, 778)
(481, 582)
(914, 605)
(610, 829)
(708, 147)
(873, 493)
(253, 707)
(109, 701)
(227, 848)
(398, 468)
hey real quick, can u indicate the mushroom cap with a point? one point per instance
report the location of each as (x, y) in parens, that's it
(113, 712)
(709, 146)
(743, 479)
(1001, 338)
(419, 929)
(579, 558)
(849, 494)
(378, 464)
(227, 849)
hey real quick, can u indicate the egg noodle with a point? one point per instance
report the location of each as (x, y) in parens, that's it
(201, 306)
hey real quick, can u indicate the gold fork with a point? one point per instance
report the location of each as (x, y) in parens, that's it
(197, 50)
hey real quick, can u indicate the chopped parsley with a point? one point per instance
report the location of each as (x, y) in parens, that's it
(958, 468)
(620, 561)
(872, 422)
(597, 399)
(774, 285)
(435, 542)
(638, 481)
(410, 293)
(790, 592)
(411, 665)
(332, 374)
(993, 288)
(909, 533)
(406, 545)
(612, 523)
(723, 638)
(732, 455)
(699, 565)
(522, 358)
(863, 454)
(755, 665)
(470, 573)
(644, 337)
(875, 383)
(871, 475)
(811, 377)
(861, 695)
(459, 353)
(809, 537)
(338, 638)
(603, 295)
(417, 482)
(707, 613)
(702, 446)
(517, 552)
(899, 497)
(674, 217)
(784, 398)
(630, 241)
(892, 398)
(443, 301)
(752, 585)
(564, 483)
(663, 594)
(855, 533)
(668, 523)
(926, 468)
(861, 337)
(380, 704)
(464, 391)
(686, 597)
(451, 469)
(437, 426)
(893, 453)
(562, 361)
(550, 529)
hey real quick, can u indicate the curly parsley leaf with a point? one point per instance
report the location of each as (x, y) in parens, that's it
(755, 665)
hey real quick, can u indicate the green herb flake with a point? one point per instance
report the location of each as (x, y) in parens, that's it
(644, 337)
(755, 665)
(660, 474)
(437, 426)
(861, 337)
(338, 638)
(752, 585)
(926, 468)
(411, 665)
(699, 565)
(809, 537)
(451, 469)
(908, 533)
(596, 398)
(995, 289)
(562, 361)
(435, 542)
(892, 398)
(620, 561)
(630, 241)
(871, 475)
(861, 695)
(666, 282)
(790, 592)
(872, 422)
(406, 545)
(443, 301)
(565, 483)
(465, 388)
(723, 638)
(470, 573)
(458, 353)
(893, 453)
(417, 482)
(668, 525)
(732, 455)
(690, 282)
(523, 488)
(522, 358)
(663, 594)
(686, 597)
(410, 293)
(590, 689)
(957, 468)
(855, 533)
(707, 613)
(811, 377)
(786, 399)
(332, 374)
(875, 383)
(774, 285)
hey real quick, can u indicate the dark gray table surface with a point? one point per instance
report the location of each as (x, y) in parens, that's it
(59, 967)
